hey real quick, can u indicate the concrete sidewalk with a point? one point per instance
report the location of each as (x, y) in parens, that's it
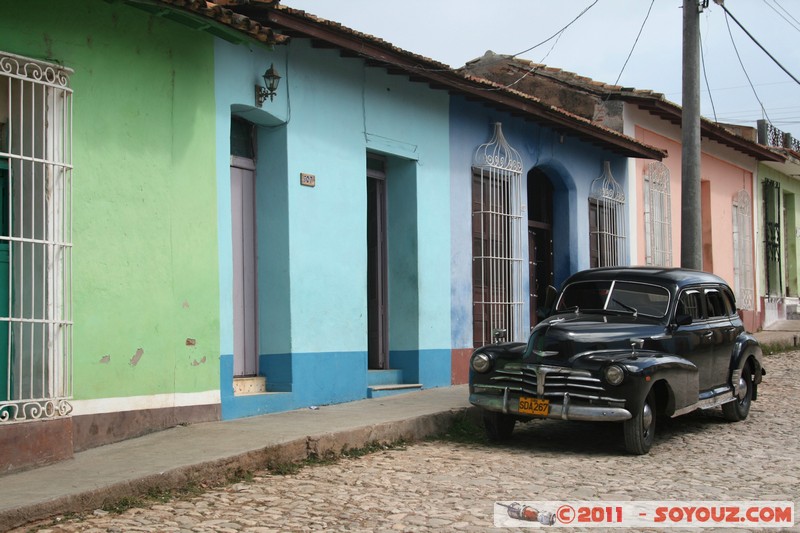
(782, 332)
(215, 451)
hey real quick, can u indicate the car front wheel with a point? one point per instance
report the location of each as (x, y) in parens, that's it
(641, 428)
(498, 426)
(739, 408)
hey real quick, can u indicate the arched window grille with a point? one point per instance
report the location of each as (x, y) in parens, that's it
(497, 271)
(607, 223)
(35, 239)
(657, 215)
(743, 250)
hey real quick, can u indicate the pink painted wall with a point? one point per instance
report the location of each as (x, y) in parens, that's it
(725, 180)
(673, 163)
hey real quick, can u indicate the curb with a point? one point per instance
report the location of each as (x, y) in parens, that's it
(222, 470)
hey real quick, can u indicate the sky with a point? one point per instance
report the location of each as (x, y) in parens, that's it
(739, 83)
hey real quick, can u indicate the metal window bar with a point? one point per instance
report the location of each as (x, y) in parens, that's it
(657, 215)
(497, 253)
(608, 231)
(36, 143)
(742, 250)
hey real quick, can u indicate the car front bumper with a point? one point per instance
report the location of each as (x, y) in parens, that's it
(564, 409)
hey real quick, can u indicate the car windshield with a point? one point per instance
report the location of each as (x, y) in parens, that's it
(618, 296)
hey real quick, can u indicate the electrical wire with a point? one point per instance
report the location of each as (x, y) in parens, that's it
(746, 75)
(781, 15)
(705, 77)
(728, 13)
(784, 10)
(557, 36)
(641, 29)
(559, 32)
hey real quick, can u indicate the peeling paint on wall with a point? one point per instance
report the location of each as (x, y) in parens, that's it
(198, 363)
(136, 357)
(105, 359)
(191, 342)
(186, 304)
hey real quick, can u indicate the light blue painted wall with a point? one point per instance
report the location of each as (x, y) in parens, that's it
(329, 112)
(330, 132)
(571, 164)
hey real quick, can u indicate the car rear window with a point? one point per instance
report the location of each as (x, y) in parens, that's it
(622, 296)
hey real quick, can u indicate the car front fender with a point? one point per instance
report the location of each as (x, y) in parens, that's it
(676, 380)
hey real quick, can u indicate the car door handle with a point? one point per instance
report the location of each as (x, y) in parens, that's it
(708, 334)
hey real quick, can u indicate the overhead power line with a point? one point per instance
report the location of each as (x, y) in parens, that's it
(635, 41)
(705, 77)
(784, 10)
(727, 12)
(741, 63)
(781, 15)
(559, 32)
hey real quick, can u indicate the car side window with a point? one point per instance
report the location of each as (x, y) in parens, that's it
(730, 300)
(715, 304)
(690, 304)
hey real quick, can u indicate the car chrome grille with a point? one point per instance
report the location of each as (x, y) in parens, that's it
(551, 382)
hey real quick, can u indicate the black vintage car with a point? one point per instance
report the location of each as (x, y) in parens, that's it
(623, 344)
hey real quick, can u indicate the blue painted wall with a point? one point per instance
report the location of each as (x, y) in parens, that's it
(312, 258)
(571, 165)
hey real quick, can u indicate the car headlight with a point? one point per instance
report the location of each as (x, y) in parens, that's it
(481, 363)
(614, 374)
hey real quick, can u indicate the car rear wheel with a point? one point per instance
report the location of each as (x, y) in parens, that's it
(739, 408)
(498, 426)
(641, 428)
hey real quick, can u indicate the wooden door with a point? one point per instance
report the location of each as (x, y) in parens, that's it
(377, 271)
(243, 226)
(540, 240)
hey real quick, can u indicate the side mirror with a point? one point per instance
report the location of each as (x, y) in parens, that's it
(683, 320)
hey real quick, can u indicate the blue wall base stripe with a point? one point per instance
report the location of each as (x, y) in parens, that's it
(299, 380)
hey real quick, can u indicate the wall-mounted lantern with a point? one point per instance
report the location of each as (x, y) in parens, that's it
(271, 81)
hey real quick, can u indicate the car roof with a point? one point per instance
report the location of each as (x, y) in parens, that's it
(678, 276)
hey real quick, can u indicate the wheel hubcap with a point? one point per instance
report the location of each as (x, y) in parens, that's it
(741, 389)
(647, 418)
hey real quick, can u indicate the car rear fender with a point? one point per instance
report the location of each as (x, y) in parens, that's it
(746, 348)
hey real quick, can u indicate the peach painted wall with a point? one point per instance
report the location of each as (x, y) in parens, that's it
(673, 163)
(725, 179)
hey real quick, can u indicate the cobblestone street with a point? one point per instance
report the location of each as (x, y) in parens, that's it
(444, 486)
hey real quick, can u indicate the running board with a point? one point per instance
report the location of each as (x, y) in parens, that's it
(719, 396)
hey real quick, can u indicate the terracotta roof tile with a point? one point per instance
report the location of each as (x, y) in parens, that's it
(218, 12)
(654, 102)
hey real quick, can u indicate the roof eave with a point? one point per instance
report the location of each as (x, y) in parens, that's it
(440, 76)
(211, 18)
(708, 129)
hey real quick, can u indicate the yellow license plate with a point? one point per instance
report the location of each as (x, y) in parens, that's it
(534, 406)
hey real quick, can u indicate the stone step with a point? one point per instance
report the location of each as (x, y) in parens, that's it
(381, 391)
(249, 385)
(384, 377)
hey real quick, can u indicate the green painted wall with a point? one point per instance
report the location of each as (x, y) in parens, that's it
(145, 269)
(790, 203)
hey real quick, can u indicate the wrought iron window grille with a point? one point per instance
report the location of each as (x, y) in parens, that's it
(497, 242)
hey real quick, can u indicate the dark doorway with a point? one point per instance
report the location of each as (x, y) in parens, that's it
(377, 274)
(540, 239)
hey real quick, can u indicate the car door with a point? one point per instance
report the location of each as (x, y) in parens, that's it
(724, 327)
(695, 341)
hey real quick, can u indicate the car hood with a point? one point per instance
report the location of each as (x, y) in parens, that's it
(561, 338)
